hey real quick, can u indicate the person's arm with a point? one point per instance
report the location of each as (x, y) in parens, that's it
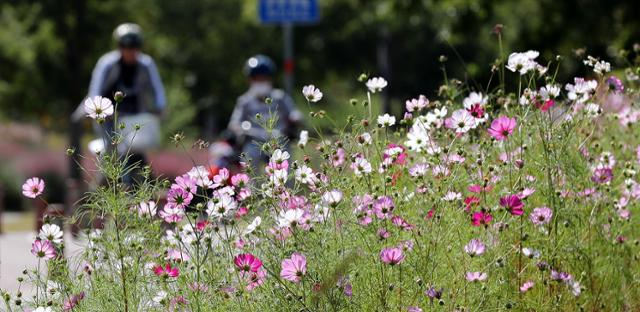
(294, 115)
(158, 88)
(235, 122)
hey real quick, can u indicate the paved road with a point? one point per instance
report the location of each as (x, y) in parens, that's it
(15, 256)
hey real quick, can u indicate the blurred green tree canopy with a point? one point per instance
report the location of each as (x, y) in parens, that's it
(49, 47)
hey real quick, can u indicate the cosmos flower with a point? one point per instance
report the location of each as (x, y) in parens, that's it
(502, 128)
(541, 216)
(98, 107)
(166, 271)
(522, 62)
(461, 121)
(376, 84)
(51, 232)
(43, 249)
(391, 256)
(33, 187)
(526, 286)
(147, 209)
(311, 93)
(475, 247)
(294, 268)
(386, 120)
(481, 218)
(247, 262)
(513, 204)
(476, 276)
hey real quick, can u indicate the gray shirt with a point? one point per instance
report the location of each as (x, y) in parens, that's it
(244, 122)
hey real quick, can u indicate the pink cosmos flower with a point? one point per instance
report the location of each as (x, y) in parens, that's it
(166, 271)
(294, 268)
(43, 249)
(254, 279)
(513, 204)
(187, 183)
(338, 158)
(177, 255)
(172, 214)
(383, 234)
(526, 286)
(383, 207)
(247, 262)
(602, 175)
(33, 187)
(391, 256)
(72, 302)
(541, 215)
(475, 247)
(481, 218)
(502, 127)
(476, 276)
(179, 198)
(240, 180)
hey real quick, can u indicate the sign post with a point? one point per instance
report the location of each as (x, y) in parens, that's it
(287, 13)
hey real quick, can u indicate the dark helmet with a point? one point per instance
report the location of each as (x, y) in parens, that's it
(259, 65)
(128, 35)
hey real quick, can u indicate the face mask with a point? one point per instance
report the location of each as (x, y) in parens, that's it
(260, 89)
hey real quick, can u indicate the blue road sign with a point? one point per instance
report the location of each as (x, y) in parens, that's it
(288, 11)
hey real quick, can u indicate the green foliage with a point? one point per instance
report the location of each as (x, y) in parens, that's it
(48, 48)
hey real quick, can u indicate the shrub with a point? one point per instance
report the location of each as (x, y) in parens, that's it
(476, 200)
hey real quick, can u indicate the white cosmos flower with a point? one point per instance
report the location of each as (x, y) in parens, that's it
(290, 218)
(361, 166)
(332, 198)
(376, 84)
(98, 107)
(201, 175)
(452, 196)
(51, 232)
(304, 138)
(253, 225)
(304, 175)
(279, 156)
(461, 121)
(147, 209)
(550, 91)
(222, 207)
(366, 139)
(473, 99)
(523, 62)
(311, 93)
(581, 90)
(279, 177)
(386, 120)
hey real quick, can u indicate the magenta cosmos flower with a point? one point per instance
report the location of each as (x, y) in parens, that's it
(513, 204)
(481, 218)
(43, 249)
(602, 175)
(166, 271)
(294, 268)
(247, 262)
(502, 127)
(33, 187)
(391, 256)
(541, 215)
